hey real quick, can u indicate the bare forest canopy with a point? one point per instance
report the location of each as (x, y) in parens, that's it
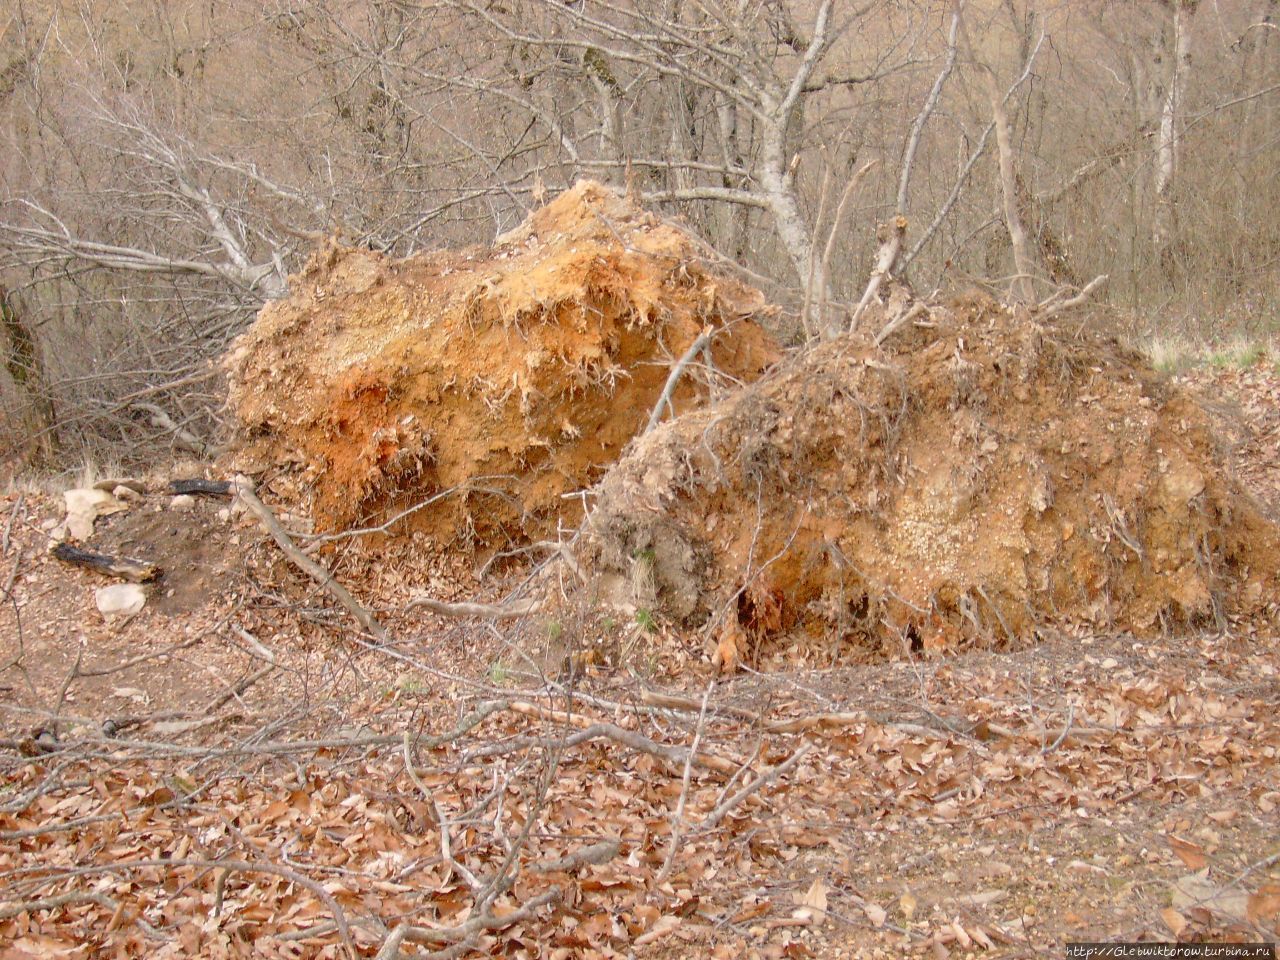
(166, 166)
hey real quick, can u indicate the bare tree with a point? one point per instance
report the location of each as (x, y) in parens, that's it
(162, 175)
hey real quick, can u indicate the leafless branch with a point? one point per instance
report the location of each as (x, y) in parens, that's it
(244, 490)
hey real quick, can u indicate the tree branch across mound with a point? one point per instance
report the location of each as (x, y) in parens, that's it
(244, 490)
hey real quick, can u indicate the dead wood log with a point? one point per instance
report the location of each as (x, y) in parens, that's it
(671, 701)
(124, 568)
(207, 488)
(493, 611)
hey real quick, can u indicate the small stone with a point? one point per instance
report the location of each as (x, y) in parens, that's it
(120, 599)
(111, 485)
(183, 503)
(84, 506)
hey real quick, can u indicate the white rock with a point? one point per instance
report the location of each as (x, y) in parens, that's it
(85, 506)
(183, 503)
(120, 599)
(114, 483)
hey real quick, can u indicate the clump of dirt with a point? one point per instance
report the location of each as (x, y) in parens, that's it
(974, 481)
(511, 376)
(197, 552)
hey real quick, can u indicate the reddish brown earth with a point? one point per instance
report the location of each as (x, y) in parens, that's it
(509, 376)
(980, 479)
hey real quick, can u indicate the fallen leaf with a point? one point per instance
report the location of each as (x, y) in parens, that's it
(1175, 921)
(1264, 903)
(875, 913)
(813, 905)
(907, 904)
(1196, 890)
(1189, 853)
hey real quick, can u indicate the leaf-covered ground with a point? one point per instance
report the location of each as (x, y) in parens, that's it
(241, 775)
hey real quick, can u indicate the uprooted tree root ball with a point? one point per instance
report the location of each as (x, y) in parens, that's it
(511, 376)
(979, 479)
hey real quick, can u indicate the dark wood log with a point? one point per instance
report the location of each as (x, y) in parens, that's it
(206, 488)
(125, 568)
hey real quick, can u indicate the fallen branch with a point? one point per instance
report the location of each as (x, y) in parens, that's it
(1054, 305)
(703, 340)
(653, 698)
(595, 854)
(54, 903)
(768, 776)
(897, 323)
(485, 921)
(235, 691)
(677, 818)
(675, 757)
(123, 568)
(8, 525)
(244, 490)
(492, 611)
(527, 709)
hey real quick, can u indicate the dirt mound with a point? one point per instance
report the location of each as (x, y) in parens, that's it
(980, 478)
(511, 376)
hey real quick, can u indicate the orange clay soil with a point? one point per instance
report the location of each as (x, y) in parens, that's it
(965, 485)
(512, 376)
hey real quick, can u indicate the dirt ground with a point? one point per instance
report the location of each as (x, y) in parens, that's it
(1093, 786)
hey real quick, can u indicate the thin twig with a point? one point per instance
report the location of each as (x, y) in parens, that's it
(702, 340)
(492, 611)
(768, 776)
(54, 903)
(678, 817)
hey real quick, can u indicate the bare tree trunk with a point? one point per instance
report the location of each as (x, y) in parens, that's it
(777, 174)
(1170, 114)
(26, 367)
(1020, 289)
(892, 234)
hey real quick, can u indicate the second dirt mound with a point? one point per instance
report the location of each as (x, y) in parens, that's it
(504, 377)
(977, 480)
